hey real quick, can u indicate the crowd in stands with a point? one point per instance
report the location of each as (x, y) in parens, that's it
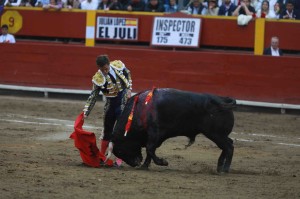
(277, 9)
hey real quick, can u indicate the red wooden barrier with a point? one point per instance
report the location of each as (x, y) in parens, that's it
(245, 77)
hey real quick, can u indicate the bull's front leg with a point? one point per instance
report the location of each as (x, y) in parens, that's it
(146, 162)
(154, 141)
(150, 149)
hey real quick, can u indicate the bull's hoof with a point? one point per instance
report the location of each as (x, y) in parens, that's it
(222, 170)
(143, 167)
(164, 162)
(161, 162)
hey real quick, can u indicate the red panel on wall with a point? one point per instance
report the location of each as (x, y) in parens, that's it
(245, 77)
(288, 34)
(53, 24)
(226, 32)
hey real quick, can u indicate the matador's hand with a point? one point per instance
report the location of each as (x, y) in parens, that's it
(128, 93)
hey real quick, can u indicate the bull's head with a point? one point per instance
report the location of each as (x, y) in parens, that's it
(129, 147)
(129, 151)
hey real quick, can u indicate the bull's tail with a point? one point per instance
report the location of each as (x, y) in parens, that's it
(223, 103)
(191, 141)
(228, 103)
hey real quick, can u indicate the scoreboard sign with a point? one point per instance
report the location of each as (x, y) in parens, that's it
(177, 32)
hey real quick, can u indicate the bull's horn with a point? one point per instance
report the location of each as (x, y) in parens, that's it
(109, 151)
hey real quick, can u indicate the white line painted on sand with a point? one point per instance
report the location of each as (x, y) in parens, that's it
(287, 144)
(244, 140)
(46, 123)
(58, 122)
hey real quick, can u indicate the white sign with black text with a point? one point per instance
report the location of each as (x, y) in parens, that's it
(117, 28)
(181, 32)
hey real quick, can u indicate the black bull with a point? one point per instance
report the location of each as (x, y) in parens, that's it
(172, 113)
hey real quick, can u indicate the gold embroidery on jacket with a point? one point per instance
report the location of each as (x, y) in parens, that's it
(107, 86)
(98, 79)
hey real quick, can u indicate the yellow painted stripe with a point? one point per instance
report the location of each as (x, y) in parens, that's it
(90, 18)
(259, 36)
(90, 42)
(90, 21)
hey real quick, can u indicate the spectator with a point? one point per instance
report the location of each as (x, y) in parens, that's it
(275, 13)
(6, 37)
(28, 3)
(227, 8)
(272, 3)
(54, 4)
(104, 5)
(297, 5)
(115, 5)
(256, 4)
(171, 7)
(273, 50)
(40, 3)
(212, 9)
(13, 3)
(244, 9)
(154, 6)
(221, 2)
(282, 3)
(264, 12)
(124, 4)
(70, 4)
(136, 5)
(89, 5)
(196, 8)
(185, 4)
(290, 12)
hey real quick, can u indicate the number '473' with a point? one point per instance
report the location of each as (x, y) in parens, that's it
(184, 41)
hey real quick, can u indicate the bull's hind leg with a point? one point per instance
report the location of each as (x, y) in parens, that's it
(226, 145)
(228, 158)
(221, 162)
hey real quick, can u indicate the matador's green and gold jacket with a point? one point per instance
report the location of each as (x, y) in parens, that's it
(109, 88)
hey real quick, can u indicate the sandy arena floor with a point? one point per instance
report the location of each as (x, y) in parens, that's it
(38, 160)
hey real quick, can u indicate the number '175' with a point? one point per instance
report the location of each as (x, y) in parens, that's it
(162, 40)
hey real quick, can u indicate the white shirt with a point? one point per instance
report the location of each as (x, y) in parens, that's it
(8, 38)
(256, 4)
(93, 5)
(271, 4)
(112, 72)
(273, 15)
(220, 2)
(268, 16)
(274, 52)
(14, 3)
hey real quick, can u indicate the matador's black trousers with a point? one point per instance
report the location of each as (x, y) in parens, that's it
(112, 110)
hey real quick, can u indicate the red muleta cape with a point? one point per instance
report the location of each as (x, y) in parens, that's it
(85, 142)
